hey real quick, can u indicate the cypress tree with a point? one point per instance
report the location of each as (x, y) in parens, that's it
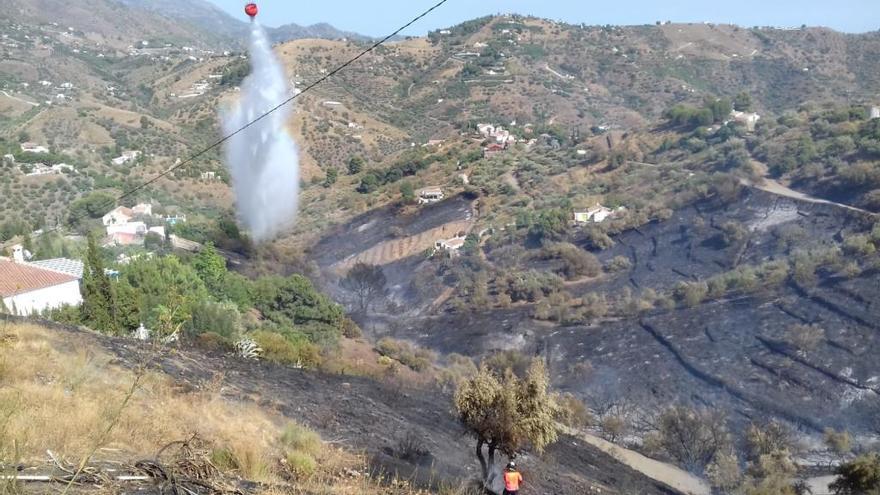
(98, 309)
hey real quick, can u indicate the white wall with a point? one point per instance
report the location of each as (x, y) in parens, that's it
(42, 299)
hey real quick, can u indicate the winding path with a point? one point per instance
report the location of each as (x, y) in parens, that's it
(667, 474)
(773, 186)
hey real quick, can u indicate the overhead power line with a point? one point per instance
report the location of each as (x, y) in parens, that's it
(219, 142)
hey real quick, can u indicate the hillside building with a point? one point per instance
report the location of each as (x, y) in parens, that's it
(748, 119)
(874, 113)
(127, 156)
(596, 214)
(430, 195)
(118, 215)
(29, 288)
(33, 148)
(133, 228)
(450, 245)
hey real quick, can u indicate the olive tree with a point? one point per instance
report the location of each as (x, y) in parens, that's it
(506, 413)
(367, 282)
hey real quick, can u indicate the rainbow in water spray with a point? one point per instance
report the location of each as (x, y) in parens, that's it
(262, 159)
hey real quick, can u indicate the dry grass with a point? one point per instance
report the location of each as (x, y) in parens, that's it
(62, 395)
(60, 392)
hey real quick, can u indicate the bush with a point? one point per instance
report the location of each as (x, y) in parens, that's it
(296, 351)
(298, 437)
(301, 464)
(859, 245)
(573, 413)
(859, 476)
(219, 318)
(575, 261)
(350, 329)
(214, 342)
(407, 354)
(804, 337)
(691, 293)
(224, 459)
(618, 264)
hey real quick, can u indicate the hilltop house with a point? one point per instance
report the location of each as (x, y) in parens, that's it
(450, 245)
(119, 215)
(430, 195)
(33, 148)
(874, 113)
(122, 215)
(133, 228)
(492, 150)
(596, 214)
(145, 209)
(126, 157)
(28, 288)
(748, 119)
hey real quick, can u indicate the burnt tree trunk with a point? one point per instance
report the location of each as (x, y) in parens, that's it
(493, 446)
(482, 459)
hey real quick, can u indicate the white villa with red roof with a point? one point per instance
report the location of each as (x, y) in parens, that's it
(28, 288)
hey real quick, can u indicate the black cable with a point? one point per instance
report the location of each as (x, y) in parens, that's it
(261, 117)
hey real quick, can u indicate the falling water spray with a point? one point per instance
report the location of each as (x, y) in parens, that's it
(263, 159)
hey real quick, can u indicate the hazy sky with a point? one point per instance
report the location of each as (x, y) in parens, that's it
(380, 17)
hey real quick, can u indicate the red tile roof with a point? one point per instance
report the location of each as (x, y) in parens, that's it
(18, 278)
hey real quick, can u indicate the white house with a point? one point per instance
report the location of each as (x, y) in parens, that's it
(27, 289)
(874, 113)
(596, 214)
(145, 209)
(126, 157)
(133, 228)
(33, 148)
(450, 245)
(430, 195)
(748, 119)
(118, 215)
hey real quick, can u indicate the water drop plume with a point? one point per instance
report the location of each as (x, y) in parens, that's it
(263, 159)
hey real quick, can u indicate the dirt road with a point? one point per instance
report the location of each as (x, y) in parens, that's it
(773, 186)
(659, 471)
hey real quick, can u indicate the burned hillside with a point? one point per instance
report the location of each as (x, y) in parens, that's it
(731, 286)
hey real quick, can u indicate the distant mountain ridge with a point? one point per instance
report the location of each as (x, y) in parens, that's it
(211, 19)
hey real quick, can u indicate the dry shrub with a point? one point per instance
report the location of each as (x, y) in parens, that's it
(301, 464)
(62, 397)
(298, 437)
(572, 412)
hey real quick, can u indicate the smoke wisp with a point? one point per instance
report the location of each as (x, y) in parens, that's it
(263, 159)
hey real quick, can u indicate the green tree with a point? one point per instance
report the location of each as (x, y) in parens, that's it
(331, 177)
(407, 193)
(550, 224)
(98, 310)
(693, 437)
(743, 102)
(861, 476)
(505, 413)
(211, 268)
(92, 206)
(720, 108)
(369, 183)
(162, 281)
(294, 300)
(355, 165)
(367, 282)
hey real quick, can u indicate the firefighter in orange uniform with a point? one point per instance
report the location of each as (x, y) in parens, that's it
(512, 479)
